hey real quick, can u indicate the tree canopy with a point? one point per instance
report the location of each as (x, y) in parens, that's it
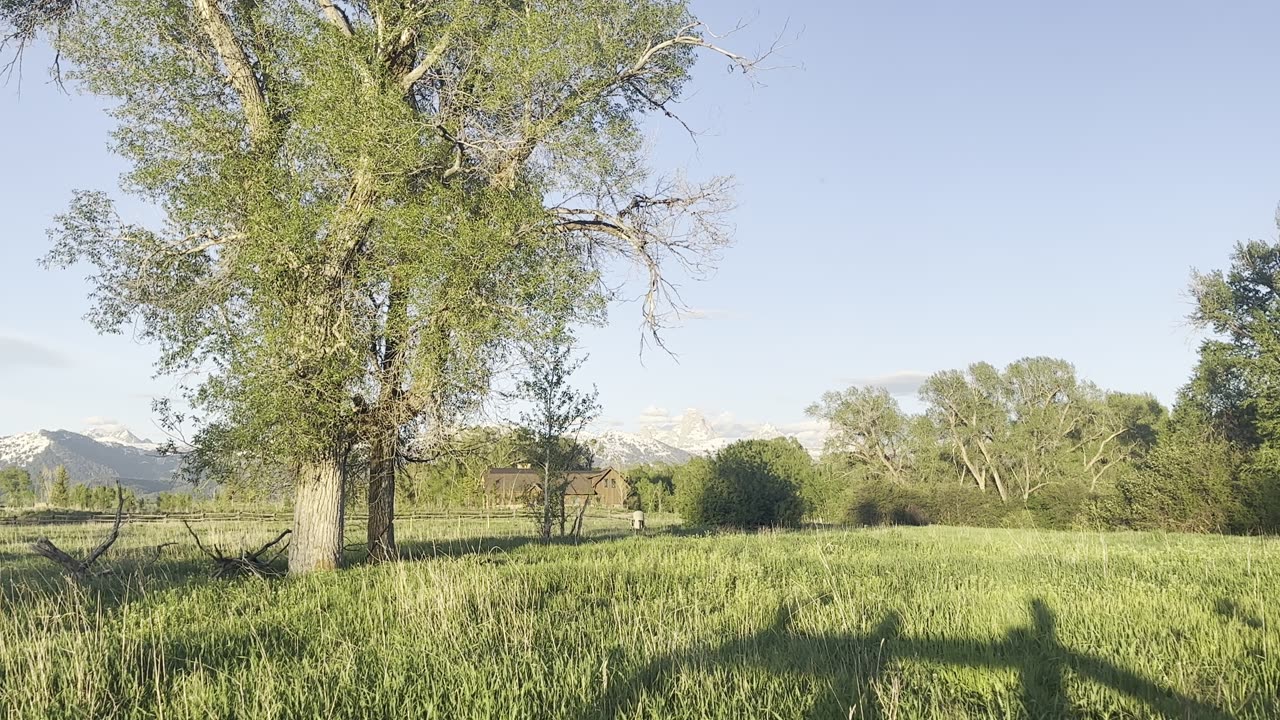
(365, 202)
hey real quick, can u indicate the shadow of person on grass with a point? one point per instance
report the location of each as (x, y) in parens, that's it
(852, 666)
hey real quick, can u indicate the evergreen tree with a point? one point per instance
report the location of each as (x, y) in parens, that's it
(59, 492)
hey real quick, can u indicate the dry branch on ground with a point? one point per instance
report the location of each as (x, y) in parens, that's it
(79, 569)
(246, 563)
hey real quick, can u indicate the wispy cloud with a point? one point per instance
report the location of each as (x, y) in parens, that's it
(903, 382)
(19, 353)
(655, 418)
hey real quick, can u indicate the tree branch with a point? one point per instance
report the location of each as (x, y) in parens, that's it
(336, 16)
(428, 61)
(78, 569)
(239, 69)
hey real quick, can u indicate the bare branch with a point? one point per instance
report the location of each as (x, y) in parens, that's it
(689, 36)
(680, 224)
(428, 61)
(246, 563)
(336, 16)
(25, 21)
(79, 569)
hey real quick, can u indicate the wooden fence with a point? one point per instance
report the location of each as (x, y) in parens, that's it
(72, 518)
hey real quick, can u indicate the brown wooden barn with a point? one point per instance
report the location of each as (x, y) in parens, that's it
(512, 486)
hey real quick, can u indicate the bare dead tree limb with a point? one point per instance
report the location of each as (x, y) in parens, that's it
(246, 563)
(79, 569)
(675, 223)
(156, 551)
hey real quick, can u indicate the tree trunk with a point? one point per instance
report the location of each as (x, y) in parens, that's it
(582, 511)
(563, 517)
(382, 497)
(385, 445)
(544, 528)
(318, 516)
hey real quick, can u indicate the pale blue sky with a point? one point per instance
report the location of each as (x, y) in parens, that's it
(924, 185)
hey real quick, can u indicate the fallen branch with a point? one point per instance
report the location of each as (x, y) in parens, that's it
(246, 563)
(79, 569)
(155, 557)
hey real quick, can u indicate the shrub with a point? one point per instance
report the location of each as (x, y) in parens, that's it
(748, 484)
(880, 502)
(1060, 506)
(1188, 483)
(912, 515)
(956, 504)
(1020, 518)
(1260, 490)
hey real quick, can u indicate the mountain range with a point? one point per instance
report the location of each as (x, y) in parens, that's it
(688, 436)
(96, 457)
(101, 455)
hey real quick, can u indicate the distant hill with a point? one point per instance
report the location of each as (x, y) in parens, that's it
(94, 461)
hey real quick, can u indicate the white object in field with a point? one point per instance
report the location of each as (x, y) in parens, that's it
(637, 520)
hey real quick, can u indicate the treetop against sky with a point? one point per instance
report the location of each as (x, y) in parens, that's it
(917, 189)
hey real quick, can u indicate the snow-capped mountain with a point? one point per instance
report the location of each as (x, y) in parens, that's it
(119, 435)
(618, 449)
(688, 436)
(692, 433)
(93, 461)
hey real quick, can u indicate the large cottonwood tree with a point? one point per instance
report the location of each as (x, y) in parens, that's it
(1032, 424)
(868, 425)
(365, 201)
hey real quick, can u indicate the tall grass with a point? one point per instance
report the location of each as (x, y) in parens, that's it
(481, 623)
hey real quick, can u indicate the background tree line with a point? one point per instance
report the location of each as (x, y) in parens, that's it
(1033, 444)
(53, 487)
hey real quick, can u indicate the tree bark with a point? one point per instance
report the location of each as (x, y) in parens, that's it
(239, 69)
(318, 517)
(382, 497)
(385, 446)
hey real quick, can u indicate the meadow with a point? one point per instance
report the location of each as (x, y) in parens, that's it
(482, 622)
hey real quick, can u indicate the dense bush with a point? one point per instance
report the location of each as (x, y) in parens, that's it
(886, 503)
(1059, 506)
(749, 484)
(1187, 483)
(1259, 486)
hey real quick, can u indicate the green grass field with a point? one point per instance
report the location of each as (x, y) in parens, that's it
(481, 623)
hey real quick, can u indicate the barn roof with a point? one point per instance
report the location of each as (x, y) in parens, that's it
(581, 482)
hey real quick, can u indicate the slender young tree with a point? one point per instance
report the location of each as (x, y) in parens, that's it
(557, 414)
(366, 202)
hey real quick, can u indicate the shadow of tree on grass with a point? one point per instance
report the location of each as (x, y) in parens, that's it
(1034, 652)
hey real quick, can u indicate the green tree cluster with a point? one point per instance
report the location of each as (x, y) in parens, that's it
(59, 491)
(366, 204)
(1032, 429)
(1034, 444)
(16, 489)
(747, 484)
(654, 487)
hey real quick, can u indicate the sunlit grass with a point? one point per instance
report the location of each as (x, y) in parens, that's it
(925, 622)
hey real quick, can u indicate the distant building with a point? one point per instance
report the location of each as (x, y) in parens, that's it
(511, 486)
